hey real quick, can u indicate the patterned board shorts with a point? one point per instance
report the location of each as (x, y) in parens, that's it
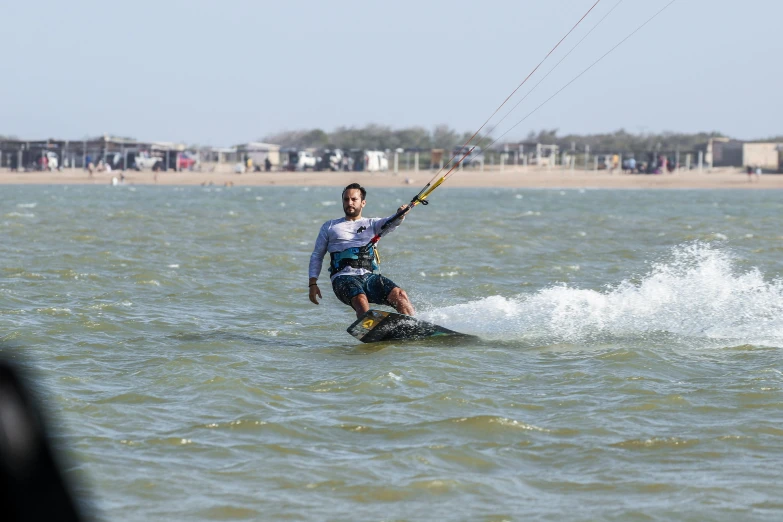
(374, 286)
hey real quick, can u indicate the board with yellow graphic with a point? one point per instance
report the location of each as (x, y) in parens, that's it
(376, 325)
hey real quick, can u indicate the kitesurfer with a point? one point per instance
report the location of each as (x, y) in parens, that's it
(353, 259)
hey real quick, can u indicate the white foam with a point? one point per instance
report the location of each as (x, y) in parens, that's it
(698, 293)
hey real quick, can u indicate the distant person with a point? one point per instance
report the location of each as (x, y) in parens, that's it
(758, 173)
(749, 170)
(249, 165)
(267, 164)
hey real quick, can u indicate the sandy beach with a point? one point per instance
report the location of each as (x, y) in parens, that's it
(522, 177)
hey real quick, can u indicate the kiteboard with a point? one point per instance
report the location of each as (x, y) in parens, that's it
(376, 325)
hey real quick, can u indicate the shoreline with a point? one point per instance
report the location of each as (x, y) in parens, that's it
(527, 177)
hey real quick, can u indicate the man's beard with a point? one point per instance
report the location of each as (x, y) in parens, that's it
(351, 213)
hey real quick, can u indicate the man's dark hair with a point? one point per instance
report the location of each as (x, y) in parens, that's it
(358, 187)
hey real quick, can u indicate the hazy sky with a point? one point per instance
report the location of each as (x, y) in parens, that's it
(221, 73)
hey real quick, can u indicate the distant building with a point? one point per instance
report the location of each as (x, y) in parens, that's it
(531, 153)
(219, 155)
(759, 154)
(726, 152)
(723, 152)
(116, 151)
(259, 152)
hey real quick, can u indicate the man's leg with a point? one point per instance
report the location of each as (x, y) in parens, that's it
(360, 304)
(399, 300)
(349, 290)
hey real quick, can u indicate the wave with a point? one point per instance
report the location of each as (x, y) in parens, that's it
(699, 292)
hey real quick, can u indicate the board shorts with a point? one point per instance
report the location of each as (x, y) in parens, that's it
(374, 286)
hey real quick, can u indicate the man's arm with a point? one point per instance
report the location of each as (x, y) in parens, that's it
(378, 225)
(316, 263)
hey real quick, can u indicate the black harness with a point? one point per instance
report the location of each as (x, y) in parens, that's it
(357, 257)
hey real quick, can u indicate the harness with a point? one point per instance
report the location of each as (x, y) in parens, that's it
(365, 257)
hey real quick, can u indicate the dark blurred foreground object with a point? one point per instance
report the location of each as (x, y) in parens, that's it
(31, 484)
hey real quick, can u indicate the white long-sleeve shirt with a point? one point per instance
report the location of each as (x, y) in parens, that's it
(337, 235)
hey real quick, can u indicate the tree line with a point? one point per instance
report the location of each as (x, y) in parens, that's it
(382, 137)
(371, 137)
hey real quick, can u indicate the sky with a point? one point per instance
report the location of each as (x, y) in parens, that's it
(222, 73)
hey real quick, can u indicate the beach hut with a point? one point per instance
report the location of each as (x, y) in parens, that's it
(723, 152)
(258, 152)
(765, 155)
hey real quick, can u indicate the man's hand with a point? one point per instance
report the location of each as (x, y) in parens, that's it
(403, 207)
(314, 291)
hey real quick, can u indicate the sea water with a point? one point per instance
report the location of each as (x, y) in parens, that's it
(628, 367)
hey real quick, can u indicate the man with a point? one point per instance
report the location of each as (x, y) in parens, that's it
(352, 265)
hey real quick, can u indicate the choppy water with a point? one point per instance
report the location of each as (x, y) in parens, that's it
(629, 368)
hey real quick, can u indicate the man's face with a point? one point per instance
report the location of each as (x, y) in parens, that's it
(353, 203)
